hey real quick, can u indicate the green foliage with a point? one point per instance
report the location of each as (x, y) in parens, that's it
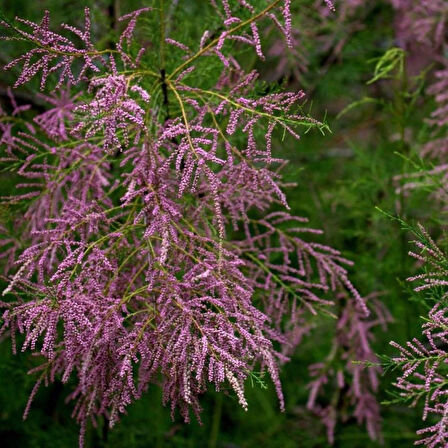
(389, 66)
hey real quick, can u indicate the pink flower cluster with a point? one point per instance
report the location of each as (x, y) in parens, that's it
(352, 387)
(54, 52)
(112, 111)
(423, 378)
(423, 362)
(143, 265)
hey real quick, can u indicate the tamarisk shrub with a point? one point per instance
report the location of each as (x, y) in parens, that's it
(150, 239)
(423, 361)
(351, 387)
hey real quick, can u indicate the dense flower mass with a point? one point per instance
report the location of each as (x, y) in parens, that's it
(155, 245)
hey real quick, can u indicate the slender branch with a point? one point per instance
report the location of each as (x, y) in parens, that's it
(275, 118)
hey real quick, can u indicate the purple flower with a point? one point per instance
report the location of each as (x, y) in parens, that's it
(127, 270)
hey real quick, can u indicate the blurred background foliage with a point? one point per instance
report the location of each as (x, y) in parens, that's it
(343, 178)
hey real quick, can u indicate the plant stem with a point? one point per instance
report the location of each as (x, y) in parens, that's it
(216, 421)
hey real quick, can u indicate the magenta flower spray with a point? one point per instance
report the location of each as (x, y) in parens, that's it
(155, 242)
